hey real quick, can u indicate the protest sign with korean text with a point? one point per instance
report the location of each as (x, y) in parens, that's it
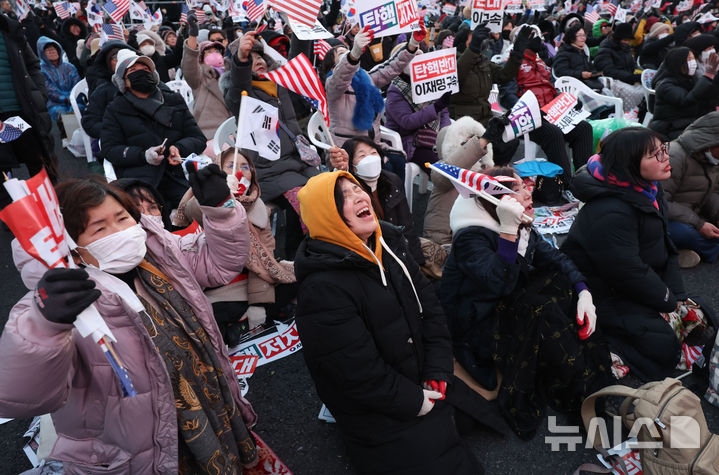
(304, 32)
(449, 9)
(563, 112)
(434, 74)
(513, 6)
(284, 341)
(523, 118)
(490, 11)
(388, 17)
(536, 5)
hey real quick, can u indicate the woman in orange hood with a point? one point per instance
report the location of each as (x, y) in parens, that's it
(375, 338)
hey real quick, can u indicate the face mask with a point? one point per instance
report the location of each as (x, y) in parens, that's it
(505, 34)
(710, 158)
(662, 35)
(147, 50)
(215, 60)
(155, 219)
(706, 54)
(142, 81)
(692, 65)
(119, 252)
(368, 169)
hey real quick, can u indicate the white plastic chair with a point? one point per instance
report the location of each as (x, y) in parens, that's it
(178, 74)
(81, 88)
(647, 77)
(184, 89)
(411, 171)
(317, 132)
(225, 134)
(576, 88)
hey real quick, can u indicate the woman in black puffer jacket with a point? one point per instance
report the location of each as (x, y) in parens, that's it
(573, 62)
(680, 96)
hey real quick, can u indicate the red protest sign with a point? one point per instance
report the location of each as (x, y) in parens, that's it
(244, 365)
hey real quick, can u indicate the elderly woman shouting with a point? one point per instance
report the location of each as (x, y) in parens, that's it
(188, 415)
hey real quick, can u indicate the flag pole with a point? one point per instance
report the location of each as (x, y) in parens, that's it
(329, 134)
(237, 134)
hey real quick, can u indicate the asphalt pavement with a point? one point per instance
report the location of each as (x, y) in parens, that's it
(284, 397)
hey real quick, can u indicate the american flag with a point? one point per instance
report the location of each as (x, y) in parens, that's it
(691, 354)
(62, 9)
(321, 48)
(112, 32)
(591, 15)
(609, 7)
(299, 76)
(22, 9)
(254, 8)
(12, 129)
(183, 13)
(116, 10)
(470, 183)
(302, 11)
(201, 17)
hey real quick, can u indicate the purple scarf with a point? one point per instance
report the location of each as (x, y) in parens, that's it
(594, 165)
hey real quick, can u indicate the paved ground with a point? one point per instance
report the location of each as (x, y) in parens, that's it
(285, 399)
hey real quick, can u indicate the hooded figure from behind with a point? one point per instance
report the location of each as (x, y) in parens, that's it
(60, 76)
(373, 333)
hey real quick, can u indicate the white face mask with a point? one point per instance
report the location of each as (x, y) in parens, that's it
(692, 65)
(662, 35)
(155, 219)
(706, 54)
(119, 252)
(368, 169)
(147, 50)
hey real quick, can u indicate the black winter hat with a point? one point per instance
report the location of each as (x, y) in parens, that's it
(700, 42)
(623, 31)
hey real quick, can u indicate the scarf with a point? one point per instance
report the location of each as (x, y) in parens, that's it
(213, 437)
(406, 89)
(594, 165)
(368, 101)
(152, 106)
(268, 87)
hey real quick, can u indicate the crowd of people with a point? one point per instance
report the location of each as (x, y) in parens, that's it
(414, 336)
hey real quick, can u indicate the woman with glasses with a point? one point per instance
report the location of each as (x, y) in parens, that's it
(571, 59)
(619, 241)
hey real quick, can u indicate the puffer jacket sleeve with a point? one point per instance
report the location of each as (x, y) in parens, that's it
(114, 146)
(341, 78)
(547, 256)
(609, 63)
(508, 72)
(190, 66)
(480, 263)
(92, 117)
(341, 352)
(614, 252)
(193, 140)
(677, 211)
(241, 80)
(216, 256)
(382, 74)
(38, 362)
(680, 98)
(563, 66)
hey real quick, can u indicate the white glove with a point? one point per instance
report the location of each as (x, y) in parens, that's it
(586, 309)
(509, 212)
(256, 316)
(428, 403)
(152, 155)
(362, 39)
(78, 47)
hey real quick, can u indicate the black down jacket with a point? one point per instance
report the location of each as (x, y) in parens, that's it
(679, 101)
(128, 132)
(475, 278)
(571, 61)
(369, 348)
(615, 60)
(620, 242)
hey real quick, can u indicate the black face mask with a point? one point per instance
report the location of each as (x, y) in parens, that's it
(142, 81)
(505, 34)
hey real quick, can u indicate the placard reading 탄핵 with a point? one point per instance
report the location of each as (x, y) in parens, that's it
(434, 74)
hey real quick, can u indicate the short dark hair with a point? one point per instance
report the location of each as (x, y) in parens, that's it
(77, 196)
(623, 150)
(218, 31)
(571, 34)
(351, 145)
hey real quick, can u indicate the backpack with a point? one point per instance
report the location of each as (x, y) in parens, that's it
(683, 451)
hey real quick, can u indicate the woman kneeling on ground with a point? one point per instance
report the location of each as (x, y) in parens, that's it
(512, 300)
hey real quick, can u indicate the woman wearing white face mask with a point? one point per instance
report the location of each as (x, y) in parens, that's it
(202, 68)
(703, 46)
(384, 188)
(165, 58)
(682, 96)
(188, 413)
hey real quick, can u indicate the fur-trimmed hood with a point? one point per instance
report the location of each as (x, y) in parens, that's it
(450, 141)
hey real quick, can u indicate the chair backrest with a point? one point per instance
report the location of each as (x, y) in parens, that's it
(184, 89)
(178, 74)
(576, 88)
(225, 134)
(317, 132)
(81, 89)
(647, 78)
(391, 138)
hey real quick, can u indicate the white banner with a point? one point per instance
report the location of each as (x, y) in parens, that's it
(621, 15)
(304, 32)
(388, 17)
(513, 6)
(282, 342)
(434, 74)
(490, 11)
(563, 112)
(536, 5)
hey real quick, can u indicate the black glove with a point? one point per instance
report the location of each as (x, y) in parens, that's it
(193, 29)
(62, 294)
(480, 33)
(521, 41)
(209, 185)
(495, 129)
(535, 44)
(442, 102)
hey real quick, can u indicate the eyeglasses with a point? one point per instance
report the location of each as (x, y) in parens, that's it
(661, 155)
